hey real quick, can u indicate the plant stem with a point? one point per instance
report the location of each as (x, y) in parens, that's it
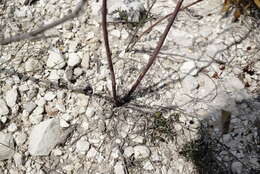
(159, 21)
(108, 52)
(156, 51)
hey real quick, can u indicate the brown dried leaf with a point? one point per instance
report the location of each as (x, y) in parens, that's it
(227, 5)
(257, 2)
(237, 14)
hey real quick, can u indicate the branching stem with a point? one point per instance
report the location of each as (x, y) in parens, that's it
(156, 51)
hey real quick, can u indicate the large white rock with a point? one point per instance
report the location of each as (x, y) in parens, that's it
(6, 146)
(3, 108)
(44, 137)
(55, 59)
(11, 97)
(141, 152)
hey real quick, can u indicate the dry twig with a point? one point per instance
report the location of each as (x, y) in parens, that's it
(34, 34)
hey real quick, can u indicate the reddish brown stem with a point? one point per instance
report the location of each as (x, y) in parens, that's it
(108, 52)
(156, 51)
(159, 21)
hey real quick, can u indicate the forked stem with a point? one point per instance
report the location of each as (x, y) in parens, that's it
(156, 51)
(156, 23)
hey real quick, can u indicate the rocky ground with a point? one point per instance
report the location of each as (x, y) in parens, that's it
(197, 110)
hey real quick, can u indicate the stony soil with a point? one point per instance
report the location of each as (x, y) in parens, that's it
(196, 111)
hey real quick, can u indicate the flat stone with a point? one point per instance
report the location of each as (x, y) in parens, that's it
(49, 96)
(3, 108)
(11, 97)
(44, 137)
(141, 152)
(55, 59)
(6, 146)
(83, 99)
(29, 107)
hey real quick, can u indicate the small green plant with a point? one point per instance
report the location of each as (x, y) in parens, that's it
(123, 16)
(162, 129)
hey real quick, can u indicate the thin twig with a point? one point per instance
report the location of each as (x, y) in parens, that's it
(108, 52)
(156, 51)
(149, 29)
(31, 35)
(138, 27)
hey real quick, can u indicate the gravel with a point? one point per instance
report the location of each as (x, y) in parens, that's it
(56, 109)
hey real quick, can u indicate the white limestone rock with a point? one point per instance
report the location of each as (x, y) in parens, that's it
(119, 168)
(49, 96)
(85, 60)
(64, 123)
(12, 127)
(141, 152)
(147, 165)
(20, 138)
(3, 108)
(54, 75)
(11, 97)
(29, 107)
(32, 65)
(55, 59)
(82, 146)
(74, 59)
(189, 68)
(18, 159)
(83, 100)
(6, 146)
(129, 151)
(44, 137)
